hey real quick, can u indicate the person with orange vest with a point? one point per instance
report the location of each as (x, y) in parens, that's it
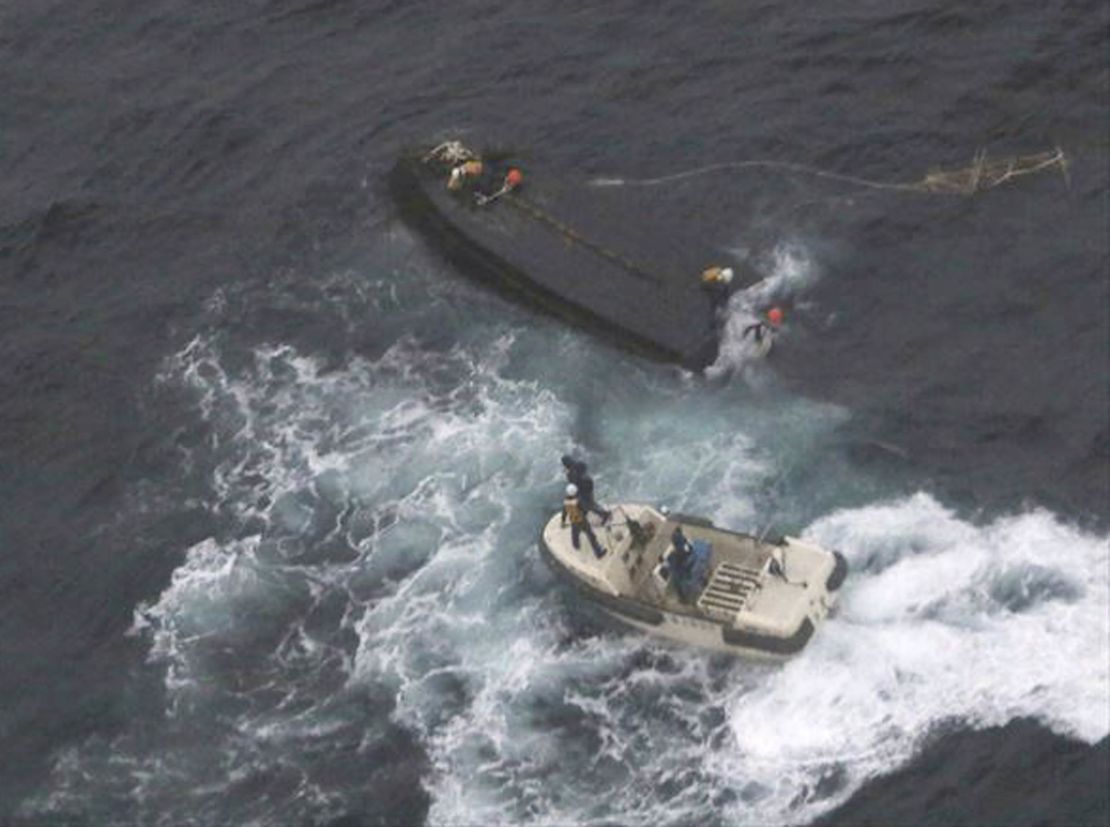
(465, 173)
(717, 281)
(717, 276)
(576, 514)
(761, 328)
(513, 179)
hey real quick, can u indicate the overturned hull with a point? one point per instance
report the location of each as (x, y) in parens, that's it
(595, 258)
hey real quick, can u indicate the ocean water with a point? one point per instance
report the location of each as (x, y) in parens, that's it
(275, 472)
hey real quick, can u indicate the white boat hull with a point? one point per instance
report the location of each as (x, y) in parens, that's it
(744, 607)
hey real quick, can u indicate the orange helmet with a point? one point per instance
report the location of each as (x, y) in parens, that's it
(514, 178)
(774, 316)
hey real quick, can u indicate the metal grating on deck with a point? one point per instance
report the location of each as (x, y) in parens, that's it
(729, 589)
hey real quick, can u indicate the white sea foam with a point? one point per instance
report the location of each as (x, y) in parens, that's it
(790, 271)
(386, 517)
(941, 621)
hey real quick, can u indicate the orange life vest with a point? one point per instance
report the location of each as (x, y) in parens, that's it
(573, 511)
(716, 275)
(463, 173)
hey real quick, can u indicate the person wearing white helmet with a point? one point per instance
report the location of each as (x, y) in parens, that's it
(718, 280)
(717, 276)
(576, 515)
(577, 472)
(464, 174)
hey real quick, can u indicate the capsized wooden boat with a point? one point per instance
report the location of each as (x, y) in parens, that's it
(601, 259)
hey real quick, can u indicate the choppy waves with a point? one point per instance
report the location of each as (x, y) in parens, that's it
(789, 272)
(376, 570)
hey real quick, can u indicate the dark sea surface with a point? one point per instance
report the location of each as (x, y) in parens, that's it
(272, 471)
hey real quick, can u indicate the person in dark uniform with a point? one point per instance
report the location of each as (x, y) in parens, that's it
(575, 513)
(578, 476)
(679, 559)
(465, 174)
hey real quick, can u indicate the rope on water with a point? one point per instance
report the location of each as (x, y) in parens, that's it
(983, 173)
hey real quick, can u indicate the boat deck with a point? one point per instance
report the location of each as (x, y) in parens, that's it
(735, 565)
(739, 593)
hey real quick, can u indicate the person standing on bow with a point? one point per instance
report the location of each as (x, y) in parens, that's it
(575, 513)
(578, 476)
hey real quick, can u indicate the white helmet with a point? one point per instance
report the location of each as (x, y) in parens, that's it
(572, 490)
(726, 275)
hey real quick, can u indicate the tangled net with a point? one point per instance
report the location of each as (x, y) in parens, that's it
(984, 173)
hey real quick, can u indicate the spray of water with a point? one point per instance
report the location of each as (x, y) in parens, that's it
(789, 273)
(379, 576)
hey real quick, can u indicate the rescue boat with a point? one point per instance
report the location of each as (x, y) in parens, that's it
(603, 259)
(737, 593)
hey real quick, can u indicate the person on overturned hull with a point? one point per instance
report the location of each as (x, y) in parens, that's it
(575, 513)
(717, 281)
(465, 174)
(578, 475)
(761, 329)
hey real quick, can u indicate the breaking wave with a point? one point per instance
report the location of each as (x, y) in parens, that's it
(790, 272)
(378, 575)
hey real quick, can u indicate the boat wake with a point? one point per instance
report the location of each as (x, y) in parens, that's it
(375, 577)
